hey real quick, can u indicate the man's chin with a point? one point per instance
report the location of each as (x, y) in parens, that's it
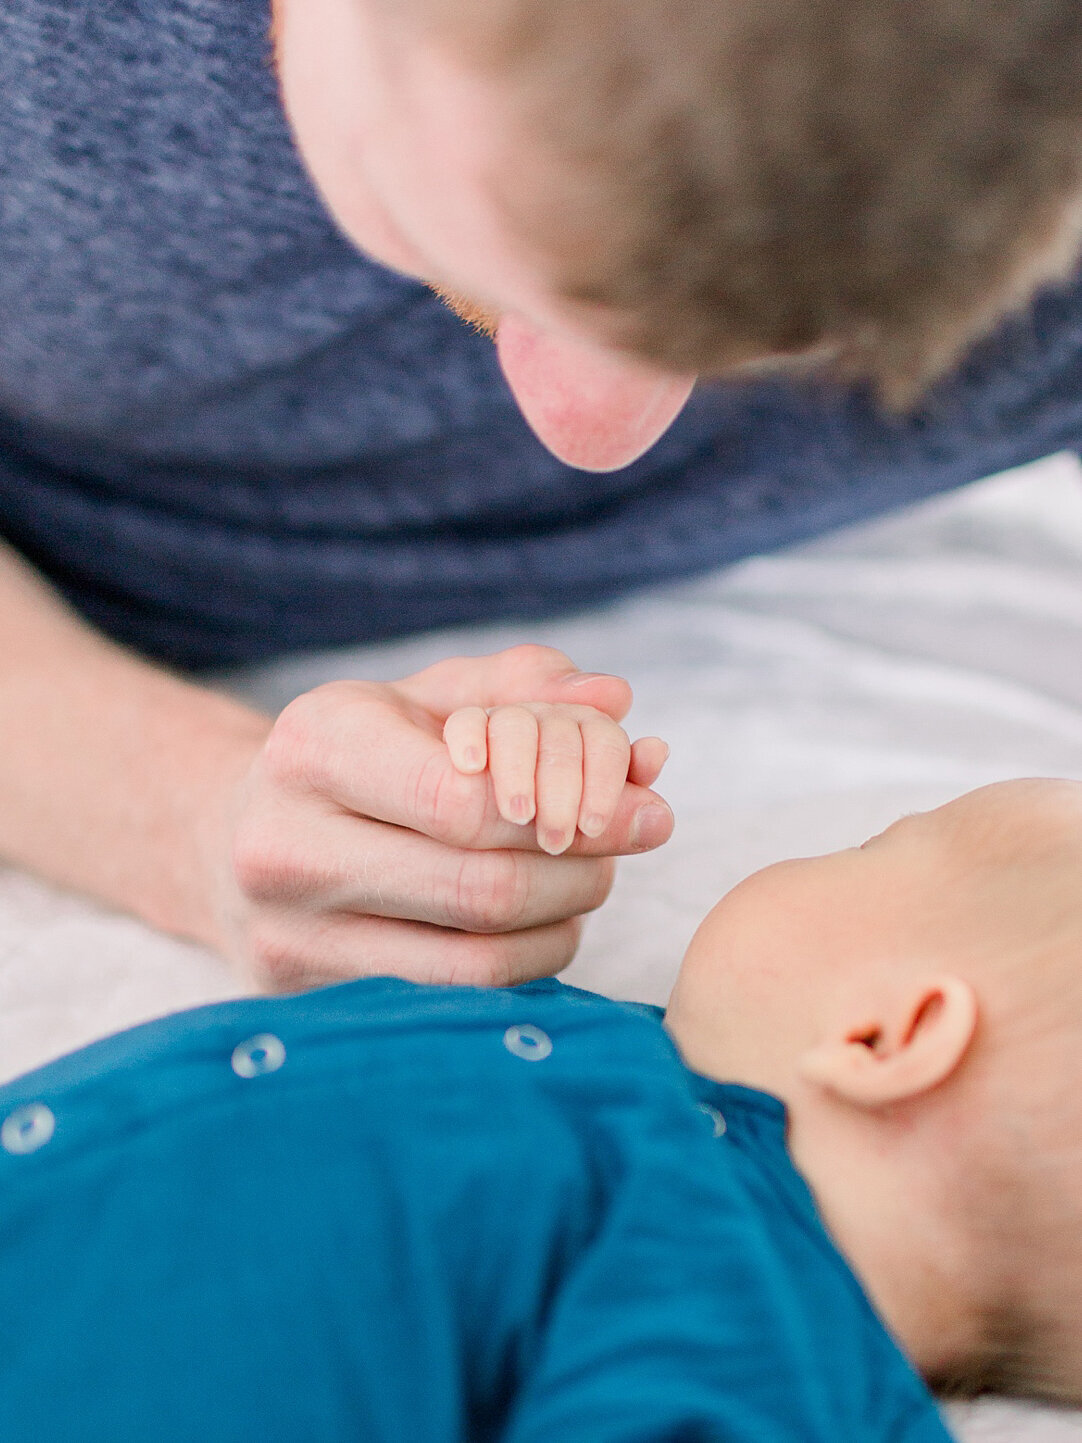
(594, 409)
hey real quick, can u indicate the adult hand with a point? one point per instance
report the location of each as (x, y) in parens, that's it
(358, 848)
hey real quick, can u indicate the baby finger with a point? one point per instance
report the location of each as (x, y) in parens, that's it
(466, 734)
(648, 756)
(512, 761)
(606, 757)
(559, 780)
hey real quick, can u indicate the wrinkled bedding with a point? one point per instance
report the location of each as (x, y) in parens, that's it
(809, 698)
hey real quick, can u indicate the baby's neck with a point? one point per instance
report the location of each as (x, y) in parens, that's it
(882, 1194)
(733, 1055)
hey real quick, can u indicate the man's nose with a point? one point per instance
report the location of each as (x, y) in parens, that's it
(592, 408)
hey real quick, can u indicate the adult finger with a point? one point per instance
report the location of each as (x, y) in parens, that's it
(343, 863)
(520, 674)
(294, 952)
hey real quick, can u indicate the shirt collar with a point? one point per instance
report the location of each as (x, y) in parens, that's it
(747, 1108)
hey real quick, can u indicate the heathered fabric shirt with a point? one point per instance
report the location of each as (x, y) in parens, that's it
(408, 1214)
(225, 434)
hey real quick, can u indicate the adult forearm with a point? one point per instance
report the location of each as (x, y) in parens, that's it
(115, 777)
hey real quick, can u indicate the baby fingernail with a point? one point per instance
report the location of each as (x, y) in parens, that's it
(521, 809)
(472, 759)
(651, 826)
(584, 677)
(554, 841)
(592, 826)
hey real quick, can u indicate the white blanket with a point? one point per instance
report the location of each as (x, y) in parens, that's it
(810, 698)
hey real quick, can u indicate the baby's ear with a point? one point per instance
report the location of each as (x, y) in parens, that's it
(910, 1046)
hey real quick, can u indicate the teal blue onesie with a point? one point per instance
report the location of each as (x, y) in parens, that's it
(387, 1213)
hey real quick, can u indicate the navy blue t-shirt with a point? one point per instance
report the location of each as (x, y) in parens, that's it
(406, 1214)
(226, 434)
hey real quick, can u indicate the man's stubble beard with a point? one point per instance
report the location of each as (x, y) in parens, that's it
(479, 317)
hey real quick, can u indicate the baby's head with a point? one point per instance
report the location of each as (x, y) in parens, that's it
(917, 1003)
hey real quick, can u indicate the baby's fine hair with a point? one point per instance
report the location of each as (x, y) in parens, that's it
(1017, 1176)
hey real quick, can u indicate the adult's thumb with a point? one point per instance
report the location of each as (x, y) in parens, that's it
(521, 673)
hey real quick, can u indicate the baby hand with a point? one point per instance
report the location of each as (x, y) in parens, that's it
(565, 765)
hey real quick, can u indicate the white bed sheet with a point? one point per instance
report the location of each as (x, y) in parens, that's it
(810, 698)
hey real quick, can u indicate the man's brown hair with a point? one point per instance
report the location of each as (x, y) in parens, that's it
(877, 180)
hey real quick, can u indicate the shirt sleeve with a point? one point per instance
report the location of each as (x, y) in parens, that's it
(686, 1322)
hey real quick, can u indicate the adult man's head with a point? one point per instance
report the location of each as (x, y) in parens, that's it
(642, 190)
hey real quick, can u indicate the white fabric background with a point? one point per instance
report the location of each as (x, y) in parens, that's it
(810, 698)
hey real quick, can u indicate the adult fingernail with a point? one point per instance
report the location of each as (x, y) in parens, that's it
(582, 678)
(651, 826)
